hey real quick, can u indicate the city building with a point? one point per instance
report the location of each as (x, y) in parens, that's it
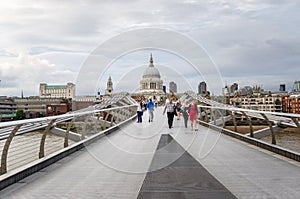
(81, 102)
(7, 109)
(57, 91)
(291, 104)
(234, 88)
(165, 89)
(225, 91)
(57, 109)
(172, 87)
(151, 85)
(282, 87)
(34, 107)
(297, 86)
(202, 88)
(262, 103)
(246, 91)
(109, 87)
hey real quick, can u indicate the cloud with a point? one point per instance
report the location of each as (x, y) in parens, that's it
(247, 39)
(26, 72)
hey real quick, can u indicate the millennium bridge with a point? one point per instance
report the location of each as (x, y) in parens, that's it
(102, 152)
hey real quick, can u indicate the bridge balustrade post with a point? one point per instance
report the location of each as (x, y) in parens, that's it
(66, 142)
(271, 128)
(129, 112)
(43, 139)
(206, 115)
(250, 123)
(98, 126)
(222, 117)
(111, 120)
(119, 115)
(216, 113)
(83, 133)
(295, 120)
(3, 168)
(126, 113)
(234, 120)
(133, 110)
(212, 113)
(105, 119)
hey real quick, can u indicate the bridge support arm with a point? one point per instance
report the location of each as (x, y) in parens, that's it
(3, 168)
(213, 115)
(271, 128)
(222, 117)
(107, 118)
(234, 120)
(84, 127)
(206, 115)
(296, 121)
(250, 123)
(66, 142)
(112, 119)
(43, 140)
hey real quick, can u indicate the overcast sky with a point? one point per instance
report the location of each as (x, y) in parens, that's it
(251, 42)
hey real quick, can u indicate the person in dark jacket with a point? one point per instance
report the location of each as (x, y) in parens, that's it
(185, 112)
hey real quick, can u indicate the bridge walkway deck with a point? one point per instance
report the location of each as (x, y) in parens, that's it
(116, 166)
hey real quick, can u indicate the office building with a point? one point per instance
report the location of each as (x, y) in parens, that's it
(202, 88)
(172, 87)
(57, 91)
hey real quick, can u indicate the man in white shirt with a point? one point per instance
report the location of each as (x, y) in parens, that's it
(169, 107)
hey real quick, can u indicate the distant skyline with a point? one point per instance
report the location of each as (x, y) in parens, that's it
(250, 42)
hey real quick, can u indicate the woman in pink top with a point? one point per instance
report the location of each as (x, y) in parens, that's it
(193, 112)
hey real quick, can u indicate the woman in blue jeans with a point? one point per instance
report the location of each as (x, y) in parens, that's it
(139, 111)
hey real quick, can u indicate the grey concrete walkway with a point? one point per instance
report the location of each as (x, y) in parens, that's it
(116, 166)
(247, 171)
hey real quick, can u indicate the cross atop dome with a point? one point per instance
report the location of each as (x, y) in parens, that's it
(151, 60)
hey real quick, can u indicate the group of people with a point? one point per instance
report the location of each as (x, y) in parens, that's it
(143, 105)
(188, 111)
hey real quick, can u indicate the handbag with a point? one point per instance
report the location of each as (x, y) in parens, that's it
(175, 112)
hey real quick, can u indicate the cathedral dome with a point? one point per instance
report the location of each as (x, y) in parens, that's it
(151, 71)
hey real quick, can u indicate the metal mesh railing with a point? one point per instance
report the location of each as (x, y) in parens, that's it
(24, 141)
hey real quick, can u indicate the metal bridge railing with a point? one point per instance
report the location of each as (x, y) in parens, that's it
(24, 141)
(218, 114)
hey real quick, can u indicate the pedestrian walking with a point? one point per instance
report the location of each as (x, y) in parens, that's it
(185, 112)
(140, 111)
(193, 112)
(170, 108)
(178, 109)
(150, 107)
(156, 103)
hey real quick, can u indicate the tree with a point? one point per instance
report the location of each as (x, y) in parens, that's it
(19, 114)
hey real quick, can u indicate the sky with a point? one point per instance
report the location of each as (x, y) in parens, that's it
(250, 42)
